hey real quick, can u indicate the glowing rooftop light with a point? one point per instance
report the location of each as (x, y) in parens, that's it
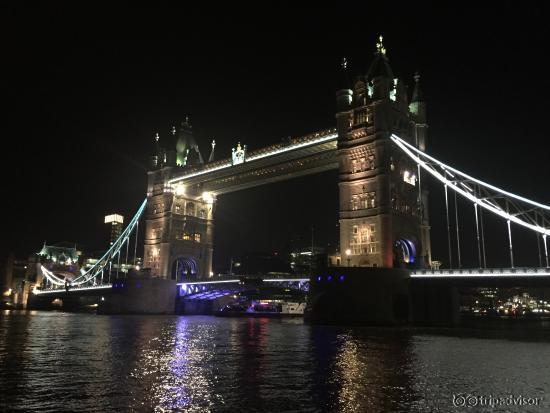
(114, 218)
(208, 197)
(180, 190)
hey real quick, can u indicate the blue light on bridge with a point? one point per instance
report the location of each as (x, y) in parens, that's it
(341, 278)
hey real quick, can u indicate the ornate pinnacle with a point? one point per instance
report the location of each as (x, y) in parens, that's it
(380, 45)
(344, 63)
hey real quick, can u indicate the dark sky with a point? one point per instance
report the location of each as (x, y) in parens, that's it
(86, 89)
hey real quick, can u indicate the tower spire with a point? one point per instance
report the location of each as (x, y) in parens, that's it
(380, 49)
(211, 157)
(417, 92)
(344, 93)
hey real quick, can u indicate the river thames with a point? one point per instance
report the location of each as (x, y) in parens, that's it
(52, 362)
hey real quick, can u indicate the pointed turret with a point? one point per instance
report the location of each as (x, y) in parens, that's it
(379, 77)
(186, 147)
(417, 95)
(418, 105)
(380, 65)
(211, 157)
(344, 93)
(155, 161)
(418, 110)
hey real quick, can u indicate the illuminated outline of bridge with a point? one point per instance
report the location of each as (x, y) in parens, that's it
(468, 187)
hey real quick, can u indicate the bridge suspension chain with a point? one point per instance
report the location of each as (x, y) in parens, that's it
(511, 207)
(97, 270)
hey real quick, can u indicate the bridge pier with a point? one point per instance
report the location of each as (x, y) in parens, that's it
(140, 295)
(434, 304)
(359, 295)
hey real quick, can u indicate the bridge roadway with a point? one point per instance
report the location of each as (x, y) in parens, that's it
(337, 295)
(190, 287)
(484, 277)
(473, 277)
(301, 156)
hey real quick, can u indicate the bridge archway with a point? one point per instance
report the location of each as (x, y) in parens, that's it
(183, 268)
(404, 251)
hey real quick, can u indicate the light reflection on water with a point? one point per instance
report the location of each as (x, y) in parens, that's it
(81, 362)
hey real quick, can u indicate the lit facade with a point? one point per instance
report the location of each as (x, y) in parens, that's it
(179, 218)
(383, 208)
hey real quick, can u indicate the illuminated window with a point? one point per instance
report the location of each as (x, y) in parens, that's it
(187, 236)
(409, 178)
(354, 166)
(363, 240)
(361, 117)
(202, 213)
(197, 237)
(355, 202)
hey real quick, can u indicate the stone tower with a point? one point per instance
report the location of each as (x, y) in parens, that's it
(179, 220)
(383, 206)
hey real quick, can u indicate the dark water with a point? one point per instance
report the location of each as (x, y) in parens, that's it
(78, 362)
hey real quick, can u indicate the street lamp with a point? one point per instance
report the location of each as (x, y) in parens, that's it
(348, 253)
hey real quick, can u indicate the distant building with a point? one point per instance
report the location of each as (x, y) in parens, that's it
(62, 253)
(116, 222)
(306, 260)
(16, 279)
(63, 258)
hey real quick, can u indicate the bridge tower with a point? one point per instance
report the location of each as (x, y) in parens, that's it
(179, 219)
(384, 218)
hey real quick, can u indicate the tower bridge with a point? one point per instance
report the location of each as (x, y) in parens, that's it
(383, 210)
(379, 147)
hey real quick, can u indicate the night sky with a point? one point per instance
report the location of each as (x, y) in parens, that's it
(85, 91)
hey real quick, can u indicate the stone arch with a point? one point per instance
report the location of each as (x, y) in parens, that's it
(404, 252)
(183, 268)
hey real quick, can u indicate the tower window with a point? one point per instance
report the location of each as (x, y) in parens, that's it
(361, 117)
(354, 202)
